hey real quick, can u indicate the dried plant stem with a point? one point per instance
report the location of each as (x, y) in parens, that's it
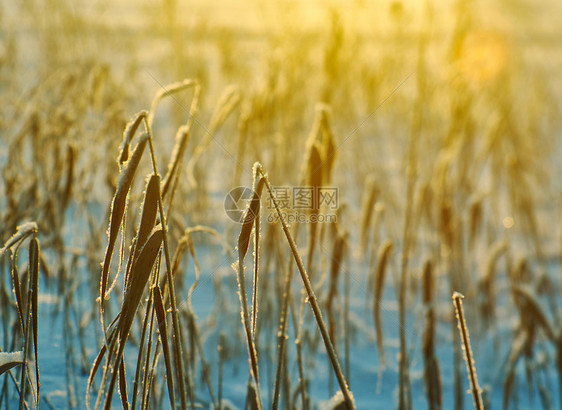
(311, 298)
(282, 338)
(463, 330)
(176, 334)
(140, 359)
(300, 361)
(384, 253)
(250, 219)
(221, 348)
(431, 373)
(33, 270)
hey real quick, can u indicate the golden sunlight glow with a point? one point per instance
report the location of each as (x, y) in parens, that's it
(483, 56)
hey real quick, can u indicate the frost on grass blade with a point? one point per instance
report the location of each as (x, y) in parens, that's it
(139, 278)
(130, 130)
(148, 219)
(9, 360)
(161, 316)
(22, 232)
(470, 367)
(118, 206)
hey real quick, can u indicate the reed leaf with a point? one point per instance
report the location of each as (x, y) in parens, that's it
(128, 134)
(118, 207)
(123, 385)
(148, 219)
(139, 278)
(34, 285)
(384, 253)
(535, 310)
(167, 91)
(16, 283)
(161, 316)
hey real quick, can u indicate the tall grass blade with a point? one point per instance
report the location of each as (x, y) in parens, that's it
(139, 278)
(161, 316)
(34, 285)
(468, 358)
(148, 219)
(118, 206)
(123, 385)
(384, 253)
(311, 295)
(252, 213)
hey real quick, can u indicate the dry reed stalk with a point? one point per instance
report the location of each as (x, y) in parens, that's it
(468, 358)
(385, 250)
(319, 159)
(369, 199)
(129, 133)
(339, 251)
(432, 378)
(379, 210)
(33, 300)
(346, 310)
(532, 307)
(281, 341)
(27, 314)
(182, 139)
(282, 335)
(176, 330)
(314, 180)
(487, 282)
(518, 346)
(167, 91)
(404, 389)
(475, 219)
(148, 219)
(118, 330)
(123, 385)
(147, 368)
(140, 357)
(335, 268)
(23, 231)
(29, 372)
(255, 285)
(192, 326)
(146, 225)
(311, 296)
(118, 206)
(143, 268)
(16, 283)
(67, 190)
(251, 215)
(303, 382)
(228, 101)
(222, 357)
(161, 315)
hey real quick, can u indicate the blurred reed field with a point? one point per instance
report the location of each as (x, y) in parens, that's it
(134, 273)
